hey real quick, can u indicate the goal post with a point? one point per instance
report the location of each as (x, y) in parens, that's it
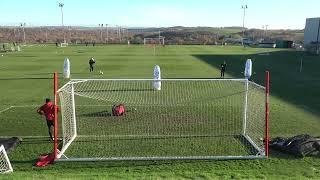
(64, 44)
(55, 130)
(5, 165)
(154, 41)
(186, 119)
(267, 93)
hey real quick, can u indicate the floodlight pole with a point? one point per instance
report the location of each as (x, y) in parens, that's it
(120, 34)
(46, 28)
(24, 33)
(101, 26)
(159, 36)
(244, 7)
(107, 34)
(318, 38)
(64, 36)
(265, 31)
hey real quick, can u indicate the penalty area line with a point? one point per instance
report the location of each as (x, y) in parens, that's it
(24, 136)
(6, 109)
(22, 106)
(17, 106)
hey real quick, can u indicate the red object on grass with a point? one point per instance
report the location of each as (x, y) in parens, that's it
(267, 139)
(118, 110)
(45, 159)
(55, 89)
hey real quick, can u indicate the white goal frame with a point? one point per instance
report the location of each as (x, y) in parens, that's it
(64, 44)
(262, 152)
(159, 40)
(4, 160)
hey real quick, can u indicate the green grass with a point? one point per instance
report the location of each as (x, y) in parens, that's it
(295, 106)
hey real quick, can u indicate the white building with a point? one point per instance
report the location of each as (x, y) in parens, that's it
(312, 34)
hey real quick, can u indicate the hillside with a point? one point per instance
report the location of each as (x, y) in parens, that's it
(116, 35)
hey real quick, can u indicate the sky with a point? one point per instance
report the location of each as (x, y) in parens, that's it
(276, 14)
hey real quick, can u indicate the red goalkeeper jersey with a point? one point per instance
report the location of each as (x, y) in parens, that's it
(48, 110)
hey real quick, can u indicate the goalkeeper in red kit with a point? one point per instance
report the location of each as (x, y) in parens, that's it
(48, 111)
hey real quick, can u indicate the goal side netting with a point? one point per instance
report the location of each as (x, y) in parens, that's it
(154, 41)
(5, 165)
(186, 119)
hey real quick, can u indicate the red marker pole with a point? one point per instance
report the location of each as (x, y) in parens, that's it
(55, 146)
(267, 84)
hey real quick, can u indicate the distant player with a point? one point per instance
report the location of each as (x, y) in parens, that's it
(48, 111)
(91, 63)
(223, 69)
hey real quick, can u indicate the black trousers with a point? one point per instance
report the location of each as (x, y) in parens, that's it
(50, 124)
(91, 68)
(222, 73)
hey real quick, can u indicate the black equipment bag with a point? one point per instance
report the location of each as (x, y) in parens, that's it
(300, 146)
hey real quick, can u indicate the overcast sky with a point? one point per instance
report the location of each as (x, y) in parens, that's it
(277, 14)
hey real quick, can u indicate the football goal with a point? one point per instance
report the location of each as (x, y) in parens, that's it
(5, 165)
(64, 44)
(154, 41)
(186, 119)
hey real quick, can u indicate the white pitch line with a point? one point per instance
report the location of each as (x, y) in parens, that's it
(22, 106)
(149, 136)
(24, 136)
(6, 109)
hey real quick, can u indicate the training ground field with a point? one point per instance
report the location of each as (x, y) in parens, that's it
(26, 80)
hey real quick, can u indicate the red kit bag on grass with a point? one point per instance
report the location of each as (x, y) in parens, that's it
(119, 110)
(45, 159)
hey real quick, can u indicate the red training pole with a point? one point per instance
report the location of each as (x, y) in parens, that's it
(267, 84)
(55, 84)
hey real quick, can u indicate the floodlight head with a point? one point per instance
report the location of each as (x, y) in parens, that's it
(61, 4)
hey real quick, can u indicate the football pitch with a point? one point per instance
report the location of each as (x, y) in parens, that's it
(26, 80)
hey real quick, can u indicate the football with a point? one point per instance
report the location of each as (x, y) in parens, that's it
(101, 72)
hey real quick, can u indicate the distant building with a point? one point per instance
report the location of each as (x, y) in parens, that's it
(284, 44)
(312, 34)
(267, 45)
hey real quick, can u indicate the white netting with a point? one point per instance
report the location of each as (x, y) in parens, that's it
(185, 119)
(64, 44)
(154, 41)
(5, 166)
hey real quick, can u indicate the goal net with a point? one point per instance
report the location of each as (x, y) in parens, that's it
(186, 119)
(64, 44)
(5, 166)
(154, 41)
